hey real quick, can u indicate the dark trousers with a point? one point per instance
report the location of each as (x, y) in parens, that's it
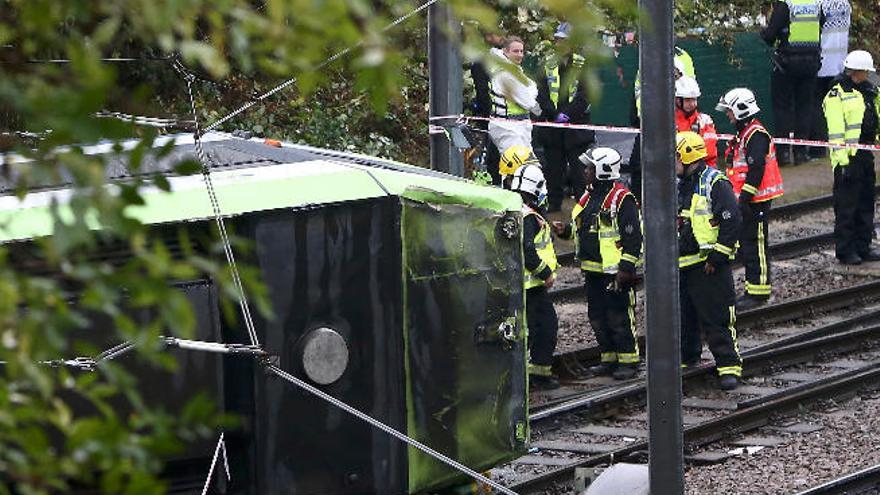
(854, 205)
(792, 106)
(635, 168)
(754, 249)
(612, 316)
(707, 305)
(562, 167)
(819, 132)
(493, 157)
(543, 326)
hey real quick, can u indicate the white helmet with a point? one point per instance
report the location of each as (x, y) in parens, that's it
(606, 160)
(530, 179)
(678, 65)
(859, 60)
(741, 101)
(687, 87)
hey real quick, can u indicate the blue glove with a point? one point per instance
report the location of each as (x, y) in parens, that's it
(562, 119)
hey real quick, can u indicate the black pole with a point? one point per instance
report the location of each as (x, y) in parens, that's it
(662, 318)
(444, 86)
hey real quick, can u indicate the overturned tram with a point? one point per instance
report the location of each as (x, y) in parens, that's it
(395, 289)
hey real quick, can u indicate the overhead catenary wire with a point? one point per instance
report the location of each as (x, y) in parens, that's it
(218, 214)
(220, 448)
(259, 99)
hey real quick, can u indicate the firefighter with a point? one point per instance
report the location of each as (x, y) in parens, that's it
(539, 260)
(512, 159)
(607, 230)
(708, 227)
(563, 100)
(794, 30)
(688, 118)
(756, 180)
(682, 65)
(852, 110)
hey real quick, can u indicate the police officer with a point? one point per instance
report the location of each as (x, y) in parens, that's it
(683, 65)
(708, 226)
(563, 100)
(689, 118)
(607, 228)
(756, 180)
(794, 30)
(540, 263)
(851, 110)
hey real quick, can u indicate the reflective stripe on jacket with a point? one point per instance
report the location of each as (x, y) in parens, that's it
(607, 230)
(544, 247)
(699, 213)
(844, 111)
(803, 31)
(771, 184)
(554, 79)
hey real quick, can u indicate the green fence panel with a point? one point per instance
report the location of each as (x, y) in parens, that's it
(745, 63)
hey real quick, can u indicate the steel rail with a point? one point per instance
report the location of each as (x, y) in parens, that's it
(738, 421)
(754, 360)
(857, 482)
(804, 307)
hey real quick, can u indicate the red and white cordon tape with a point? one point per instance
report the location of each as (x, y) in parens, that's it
(434, 129)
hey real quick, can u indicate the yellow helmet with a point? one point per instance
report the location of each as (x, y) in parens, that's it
(690, 147)
(515, 157)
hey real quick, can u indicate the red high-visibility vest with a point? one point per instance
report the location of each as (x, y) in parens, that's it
(771, 184)
(703, 125)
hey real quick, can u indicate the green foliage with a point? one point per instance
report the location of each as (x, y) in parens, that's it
(62, 428)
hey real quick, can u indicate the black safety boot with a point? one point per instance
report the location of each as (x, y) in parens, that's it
(870, 255)
(728, 382)
(625, 371)
(603, 369)
(544, 382)
(747, 302)
(850, 259)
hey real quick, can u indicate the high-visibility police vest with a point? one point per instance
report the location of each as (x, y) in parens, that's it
(803, 31)
(771, 185)
(606, 228)
(682, 56)
(554, 78)
(844, 111)
(699, 213)
(544, 247)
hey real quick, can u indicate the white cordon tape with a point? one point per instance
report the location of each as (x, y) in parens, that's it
(635, 130)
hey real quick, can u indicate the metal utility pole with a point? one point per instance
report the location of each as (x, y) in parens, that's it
(444, 86)
(662, 318)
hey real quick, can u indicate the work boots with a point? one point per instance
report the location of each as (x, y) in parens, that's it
(728, 382)
(603, 369)
(625, 371)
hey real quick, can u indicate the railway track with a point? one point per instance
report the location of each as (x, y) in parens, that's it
(865, 481)
(786, 369)
(574, 363)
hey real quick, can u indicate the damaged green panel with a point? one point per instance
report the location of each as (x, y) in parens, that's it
(464, 330)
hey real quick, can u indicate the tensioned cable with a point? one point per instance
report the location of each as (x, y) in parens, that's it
(323, 64)
(221, 446)
(218, 214)
(389, 430)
